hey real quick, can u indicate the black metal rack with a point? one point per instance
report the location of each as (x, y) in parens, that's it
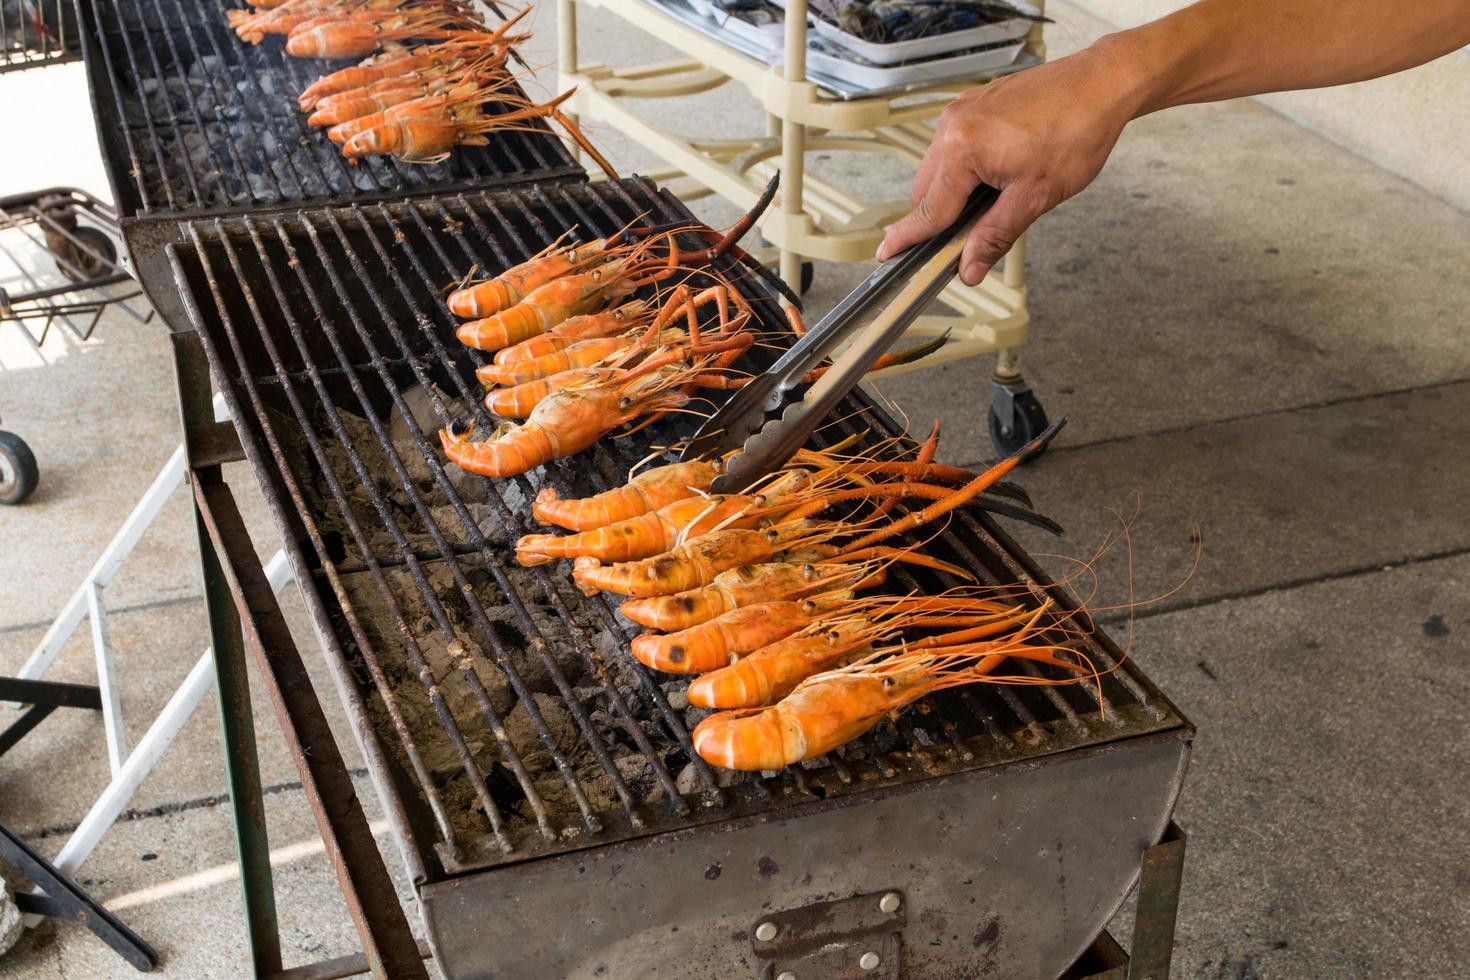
(433, 632)
(192, 122)
(37, 33)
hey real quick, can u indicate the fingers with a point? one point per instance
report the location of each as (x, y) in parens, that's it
(996, 231)
(940, 205)
(925, 175)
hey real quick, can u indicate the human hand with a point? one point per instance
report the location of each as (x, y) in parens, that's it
(1038, 136)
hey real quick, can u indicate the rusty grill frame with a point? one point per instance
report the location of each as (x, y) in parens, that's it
(260, 83)
(387, 247)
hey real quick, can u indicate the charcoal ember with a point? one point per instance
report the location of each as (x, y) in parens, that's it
(517, 501)
(469, 486)
(634, 771)
(534, 751)
(521, 653)
(422, 409)
(606, 726)
(415, 463)
(451, 528)
(691, 781)
(693, 716)
(449, 659)
(639, 775)
(677, 694)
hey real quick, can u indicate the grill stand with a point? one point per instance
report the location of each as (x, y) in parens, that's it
(1160, 874)
(238, 596)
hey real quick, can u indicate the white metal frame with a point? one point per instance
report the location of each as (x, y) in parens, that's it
(128, 766)
(815, 219)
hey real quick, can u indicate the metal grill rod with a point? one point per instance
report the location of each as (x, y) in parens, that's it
(359, 636)
(425, 672)
(491, 561)
(415, 569)
(467, 393)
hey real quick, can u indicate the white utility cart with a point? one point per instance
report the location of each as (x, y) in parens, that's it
(808, 110)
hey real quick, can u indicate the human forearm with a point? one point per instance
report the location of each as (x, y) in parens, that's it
(1225, 49)
(1042, 135)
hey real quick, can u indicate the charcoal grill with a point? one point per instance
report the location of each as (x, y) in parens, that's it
(541, 784)
(37, 33)
(192, 121)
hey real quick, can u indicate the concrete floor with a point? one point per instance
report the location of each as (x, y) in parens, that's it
(1251, 329)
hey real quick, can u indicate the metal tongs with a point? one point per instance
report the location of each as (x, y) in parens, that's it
(903, 286)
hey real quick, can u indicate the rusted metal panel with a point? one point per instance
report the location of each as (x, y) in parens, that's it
(1007, 872)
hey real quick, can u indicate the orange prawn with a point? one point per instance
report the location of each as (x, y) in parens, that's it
(744, 586)
(389, 66)
(583, 353)
(565, 423)
(646, 492)
(648, 534)
(451, 104)
(588, 326)
(773, 671)
(724, 639)
(519, 401)
(546, 306)
(830, 709)
(695, 563)
(692, 565)
(357, 103)
(729, 636)
(487, 297)
(363, 32)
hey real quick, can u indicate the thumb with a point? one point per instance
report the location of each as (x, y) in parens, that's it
(995, 232)
(940, 205)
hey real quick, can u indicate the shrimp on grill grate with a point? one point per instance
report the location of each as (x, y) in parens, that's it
(830, 709)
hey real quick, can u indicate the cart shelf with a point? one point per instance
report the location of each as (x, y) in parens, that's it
(815, 219)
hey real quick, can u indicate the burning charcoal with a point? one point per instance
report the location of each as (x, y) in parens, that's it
(676, 692)
(638, 773)
(469, 486)
(530, 746)
(515, 497)
(690, 782)
(448, 658)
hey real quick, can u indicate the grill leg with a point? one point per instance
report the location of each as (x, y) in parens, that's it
(244, 612)
(1153, 926)
(242, 767)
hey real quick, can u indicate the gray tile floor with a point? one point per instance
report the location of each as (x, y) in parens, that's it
(1250, 329)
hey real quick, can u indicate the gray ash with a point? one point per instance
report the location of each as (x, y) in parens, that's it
(562, 652)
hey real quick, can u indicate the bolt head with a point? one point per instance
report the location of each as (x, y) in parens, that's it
(889, 903)
(766, 931)
(869, 960)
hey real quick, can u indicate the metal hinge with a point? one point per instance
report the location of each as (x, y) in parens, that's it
(850, 939)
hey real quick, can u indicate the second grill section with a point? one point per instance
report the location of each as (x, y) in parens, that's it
(192, 119)
(516, 721)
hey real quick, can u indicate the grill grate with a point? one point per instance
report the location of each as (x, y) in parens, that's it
(507, 698)
(36, 33)
(194, 120)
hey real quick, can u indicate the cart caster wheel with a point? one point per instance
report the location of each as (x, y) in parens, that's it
(1016, 417)
(808, 275)
(18, 471)
(89, 265)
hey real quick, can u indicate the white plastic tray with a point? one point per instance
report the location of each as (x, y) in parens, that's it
(771, 37)
(894, 52)
(879, 76)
